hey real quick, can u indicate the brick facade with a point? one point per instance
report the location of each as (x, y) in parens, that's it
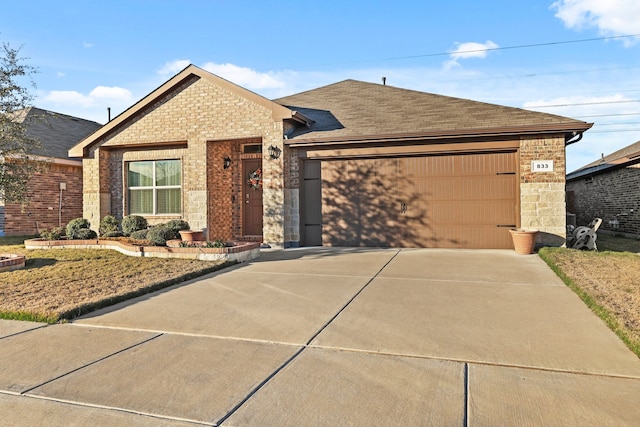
(212, 122)
(608, 195)
(542, 194)
(44, 210)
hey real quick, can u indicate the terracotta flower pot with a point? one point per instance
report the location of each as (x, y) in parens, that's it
(524, 241)
(191, 235)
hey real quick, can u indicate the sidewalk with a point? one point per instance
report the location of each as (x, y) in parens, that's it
(331, 337)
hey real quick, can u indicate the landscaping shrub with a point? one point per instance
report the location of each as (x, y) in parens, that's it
(139, 234)
(85, 233)
(109, 225)
(176, 225)
(75, 225)
(159, 235)
(54, 234)
(133, 223)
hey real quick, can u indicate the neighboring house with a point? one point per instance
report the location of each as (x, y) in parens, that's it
(352, 164)
(55, 193)
(608, 189)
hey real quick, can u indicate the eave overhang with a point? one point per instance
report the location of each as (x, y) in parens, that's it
(569, 130)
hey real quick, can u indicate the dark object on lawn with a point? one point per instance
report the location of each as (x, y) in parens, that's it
(584, 238)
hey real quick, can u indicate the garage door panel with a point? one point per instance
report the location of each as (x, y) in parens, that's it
(361, 202)
(462, 200)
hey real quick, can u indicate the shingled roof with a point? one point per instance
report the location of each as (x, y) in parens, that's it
(56, 132)
(355, 110)
(626, 156)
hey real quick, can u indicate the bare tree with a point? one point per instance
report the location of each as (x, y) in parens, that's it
(16, 166)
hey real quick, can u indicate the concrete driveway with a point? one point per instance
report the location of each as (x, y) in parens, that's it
(314, 337)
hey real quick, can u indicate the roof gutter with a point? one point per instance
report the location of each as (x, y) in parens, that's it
(570, 130)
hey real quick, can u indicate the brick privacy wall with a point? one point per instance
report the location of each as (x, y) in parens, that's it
(221, 191)
(611, 196)
(42, 211)
(198, 112)
(542, 194)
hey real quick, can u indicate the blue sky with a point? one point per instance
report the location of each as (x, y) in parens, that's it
(578, 58)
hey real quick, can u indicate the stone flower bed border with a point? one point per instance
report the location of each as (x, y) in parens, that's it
(239, 252)
(10, 262)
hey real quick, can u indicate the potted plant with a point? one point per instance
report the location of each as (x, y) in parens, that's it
(191, 235)
(524, 240)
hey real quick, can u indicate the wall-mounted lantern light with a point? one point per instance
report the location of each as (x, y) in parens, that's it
(227, 162)
(274, 152)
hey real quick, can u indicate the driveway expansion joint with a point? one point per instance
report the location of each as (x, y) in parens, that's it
(470, 362)
(86, 365)
(115, 408)
(307, 344)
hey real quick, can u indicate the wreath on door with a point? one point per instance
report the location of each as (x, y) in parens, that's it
(255, 179)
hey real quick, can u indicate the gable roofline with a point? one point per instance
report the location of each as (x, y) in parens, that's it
(352, 110)
(278, 111)
(629, 155)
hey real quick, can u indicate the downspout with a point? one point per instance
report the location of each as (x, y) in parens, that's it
(571, 140)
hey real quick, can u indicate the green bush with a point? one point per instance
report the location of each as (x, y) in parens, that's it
(139, 234)
(75, 225)
(85, 234)
(177, 225)
(159, 235)
(54, 234)
(108, 225)
(133, 223)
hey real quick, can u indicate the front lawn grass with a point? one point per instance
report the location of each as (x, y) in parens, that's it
(608, 281)
(60, 284)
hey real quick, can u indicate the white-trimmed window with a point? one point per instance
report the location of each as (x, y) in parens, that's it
(154, 187)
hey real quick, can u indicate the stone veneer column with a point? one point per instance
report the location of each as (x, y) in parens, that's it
(542, 194)
(96, 197)
(273, 189)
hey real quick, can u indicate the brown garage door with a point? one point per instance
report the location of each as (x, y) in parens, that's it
(452, 201)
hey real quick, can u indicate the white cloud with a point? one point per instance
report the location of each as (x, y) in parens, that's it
(94, 98)
(68, 97)
(468, 50)
(87, 45)
(173, 67)
(248, 78)
(91, 106)
(60, 74)
(114, 93)
(610, 17)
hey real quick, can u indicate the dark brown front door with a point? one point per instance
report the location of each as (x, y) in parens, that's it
(252, 199)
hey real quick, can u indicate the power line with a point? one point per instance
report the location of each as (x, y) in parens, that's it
(584, 103)
(549, 43)
(606, 115)
(523, 46)
(618, 124)
(613, 131)
(549, 73)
